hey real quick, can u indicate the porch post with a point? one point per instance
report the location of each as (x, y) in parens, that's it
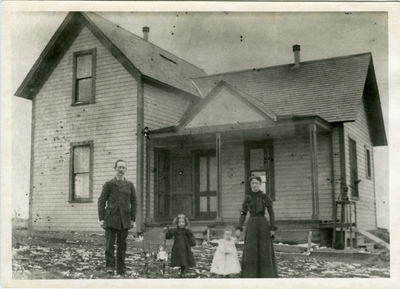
(139, 155)
(314, 171)
(147, 190)
(219, 176)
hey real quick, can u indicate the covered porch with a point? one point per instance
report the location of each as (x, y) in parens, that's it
(202, 171)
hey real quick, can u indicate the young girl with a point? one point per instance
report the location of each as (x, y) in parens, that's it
(226, 260)
(258, 252)
(181, 254)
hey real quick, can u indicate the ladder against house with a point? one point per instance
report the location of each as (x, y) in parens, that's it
(345, 230)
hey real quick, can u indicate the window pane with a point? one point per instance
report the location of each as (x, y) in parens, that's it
(203, 204)
(81, 159)
(213, 204)
(203, 174)
(213, 174)
(256, 159)
(84, 90)
(84, 66)
(81, 186)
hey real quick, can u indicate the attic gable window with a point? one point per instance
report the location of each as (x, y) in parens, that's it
(81, 168)
(84, 77)
(168, 59)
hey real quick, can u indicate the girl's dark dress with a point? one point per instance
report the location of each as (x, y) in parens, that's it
(182, 254)
(258, 253)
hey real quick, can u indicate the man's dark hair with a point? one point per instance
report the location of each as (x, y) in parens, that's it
(117, 162)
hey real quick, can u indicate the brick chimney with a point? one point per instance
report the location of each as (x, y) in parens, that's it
(296, 50)
(146, 31)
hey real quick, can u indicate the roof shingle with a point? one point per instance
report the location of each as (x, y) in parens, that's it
(330, 88)
(148, 58)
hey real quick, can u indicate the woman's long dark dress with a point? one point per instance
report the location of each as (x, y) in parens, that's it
(182, 254)
(258, 254)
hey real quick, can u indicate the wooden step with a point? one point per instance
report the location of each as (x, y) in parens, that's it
(367, 246)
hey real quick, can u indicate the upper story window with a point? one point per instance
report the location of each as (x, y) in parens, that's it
(81, 165)
(84, 77)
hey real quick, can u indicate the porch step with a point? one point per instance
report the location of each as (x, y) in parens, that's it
(367, 246)
(284, 234)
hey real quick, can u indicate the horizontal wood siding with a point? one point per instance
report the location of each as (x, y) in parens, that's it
(292, 179)
(162, 108)
(366, 207)
(110, 123)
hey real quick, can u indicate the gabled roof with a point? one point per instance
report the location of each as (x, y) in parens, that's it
(138, 56)
(252, 103)
(332, 89)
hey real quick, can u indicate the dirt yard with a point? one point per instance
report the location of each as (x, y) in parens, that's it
(82, 257)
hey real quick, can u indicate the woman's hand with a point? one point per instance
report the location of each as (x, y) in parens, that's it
(165, 229)
(272, 234)
(238, 233)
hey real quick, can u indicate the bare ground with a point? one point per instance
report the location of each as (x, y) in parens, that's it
(82, 257)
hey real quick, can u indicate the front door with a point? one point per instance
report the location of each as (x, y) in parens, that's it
(182, 189)
(206, 185)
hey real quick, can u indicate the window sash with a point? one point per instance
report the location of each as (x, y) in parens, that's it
(81, 169)
(84, 77)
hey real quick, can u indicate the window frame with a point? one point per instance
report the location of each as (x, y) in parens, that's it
(75, 95)
(354, 191)
(368, 162)
(269, 168)
(72, 198)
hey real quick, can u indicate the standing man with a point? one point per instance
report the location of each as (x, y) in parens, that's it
(118, 217)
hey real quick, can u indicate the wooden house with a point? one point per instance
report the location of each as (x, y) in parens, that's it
(191, 140)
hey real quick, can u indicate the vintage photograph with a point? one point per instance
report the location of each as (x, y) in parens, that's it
(199, 144)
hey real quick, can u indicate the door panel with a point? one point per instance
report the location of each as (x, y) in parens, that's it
(182, 204)
(182, 193)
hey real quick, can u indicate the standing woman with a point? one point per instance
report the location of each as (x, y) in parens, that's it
(258, 253)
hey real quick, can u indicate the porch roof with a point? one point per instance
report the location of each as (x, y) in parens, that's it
(333, 89)
(330, 88)
(283, 126)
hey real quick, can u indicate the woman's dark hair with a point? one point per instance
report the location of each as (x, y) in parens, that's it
(255, 178)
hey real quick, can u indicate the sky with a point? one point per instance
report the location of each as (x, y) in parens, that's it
(216, 42)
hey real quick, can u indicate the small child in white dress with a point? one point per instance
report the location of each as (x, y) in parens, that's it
(226, 261)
